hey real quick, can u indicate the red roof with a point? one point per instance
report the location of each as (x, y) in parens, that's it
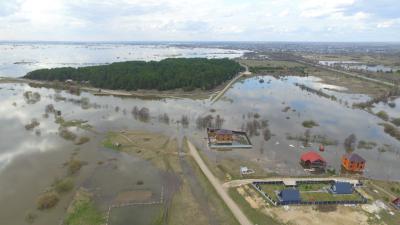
(312, 157)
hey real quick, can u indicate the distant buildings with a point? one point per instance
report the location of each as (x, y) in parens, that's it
(353, 162)
(312, 160)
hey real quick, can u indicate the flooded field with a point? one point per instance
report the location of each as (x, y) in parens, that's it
(354, 65)
(37, 155)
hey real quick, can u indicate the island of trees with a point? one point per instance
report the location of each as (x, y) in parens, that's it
(173, 73)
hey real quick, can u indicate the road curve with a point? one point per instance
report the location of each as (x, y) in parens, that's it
(236, 211)
(222, 92)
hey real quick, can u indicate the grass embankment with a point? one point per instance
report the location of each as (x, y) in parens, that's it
(82, 211)
(275, 67)
(162, 152)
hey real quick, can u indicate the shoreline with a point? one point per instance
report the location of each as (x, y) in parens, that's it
(147, 94)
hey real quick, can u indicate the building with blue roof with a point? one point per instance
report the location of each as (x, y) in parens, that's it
(342, 188)
(289, 196)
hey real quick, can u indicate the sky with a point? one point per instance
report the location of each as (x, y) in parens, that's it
(200, 20)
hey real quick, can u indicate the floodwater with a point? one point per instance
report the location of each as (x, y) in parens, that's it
(31, 160)
(16, 59)
(354, 65)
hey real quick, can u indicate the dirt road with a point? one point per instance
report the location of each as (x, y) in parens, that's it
(222, 92)
(236, 211)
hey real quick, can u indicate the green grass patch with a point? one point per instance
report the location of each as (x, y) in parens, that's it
(270, 189)
(83, 212)
(108, 141)
(325, 196)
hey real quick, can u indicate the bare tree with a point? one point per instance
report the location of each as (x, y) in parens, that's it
(350, 143)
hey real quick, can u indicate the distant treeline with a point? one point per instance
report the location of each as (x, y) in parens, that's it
(186, 73)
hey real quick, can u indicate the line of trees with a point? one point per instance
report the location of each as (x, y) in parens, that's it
(186, 73)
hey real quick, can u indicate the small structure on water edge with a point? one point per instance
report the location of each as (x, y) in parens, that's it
(223, 138)
(353, 162)
(312, 160)
(289, 196)
(396, 202)
(342, 188)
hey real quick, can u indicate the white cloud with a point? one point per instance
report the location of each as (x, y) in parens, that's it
(186, 20)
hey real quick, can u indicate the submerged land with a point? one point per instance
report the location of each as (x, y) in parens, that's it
(133, 156)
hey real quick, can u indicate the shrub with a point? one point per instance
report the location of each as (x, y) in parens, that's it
(310, 124)
(74, 166)
(64, 185)
(350, 142)
(34, 123)
(383, 115)
(396, 121)
(47, 200)
(66, 134)
(30, 217)
(82, 140)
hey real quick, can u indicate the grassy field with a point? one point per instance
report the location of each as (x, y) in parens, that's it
(312, 187)
(325, 196)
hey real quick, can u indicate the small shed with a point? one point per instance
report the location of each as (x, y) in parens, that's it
(312, 160)
(289, 196)
(396, 202)
(342, 188)
(353, 162)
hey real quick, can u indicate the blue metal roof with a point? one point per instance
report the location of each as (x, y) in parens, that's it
(290, 194)
(342, 188)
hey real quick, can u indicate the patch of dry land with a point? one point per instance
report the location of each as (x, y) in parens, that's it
(188, 196)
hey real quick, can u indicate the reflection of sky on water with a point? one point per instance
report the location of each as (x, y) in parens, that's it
(248, 96)
(18, 59)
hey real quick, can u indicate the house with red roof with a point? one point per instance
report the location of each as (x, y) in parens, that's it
(312, 159)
